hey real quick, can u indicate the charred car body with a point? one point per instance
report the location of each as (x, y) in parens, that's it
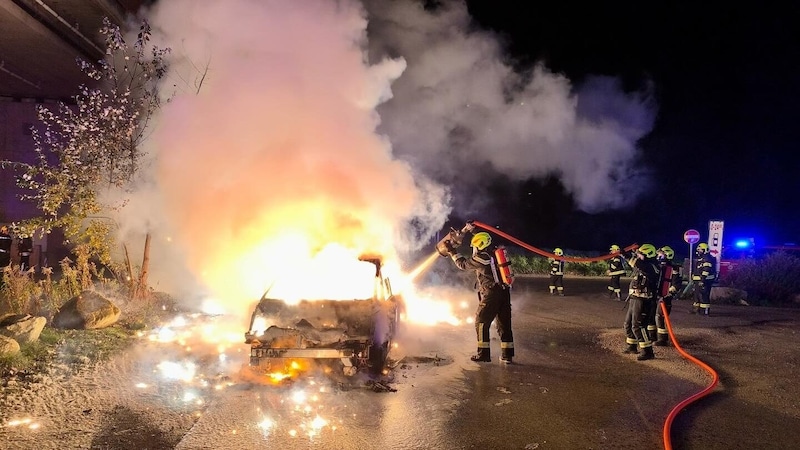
(355, 335)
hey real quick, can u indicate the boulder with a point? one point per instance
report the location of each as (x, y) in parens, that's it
(88, 311)
(8, 346)
(729, 294)
(22, 328)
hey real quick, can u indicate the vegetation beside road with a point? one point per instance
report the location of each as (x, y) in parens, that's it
(773, 280)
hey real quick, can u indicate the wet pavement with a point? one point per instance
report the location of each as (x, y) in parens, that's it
(569, 388)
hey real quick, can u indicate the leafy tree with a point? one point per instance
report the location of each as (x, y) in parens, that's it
(92, 146)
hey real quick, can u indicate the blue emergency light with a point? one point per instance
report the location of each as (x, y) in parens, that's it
(744, 244)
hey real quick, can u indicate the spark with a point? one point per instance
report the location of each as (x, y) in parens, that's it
(177, 371)
(27, 422)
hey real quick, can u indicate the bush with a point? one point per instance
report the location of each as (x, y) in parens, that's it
(770, 281)
(539, 265)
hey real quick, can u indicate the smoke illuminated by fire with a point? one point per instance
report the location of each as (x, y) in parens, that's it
(272, 169)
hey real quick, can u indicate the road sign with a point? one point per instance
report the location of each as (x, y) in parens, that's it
(691, 236)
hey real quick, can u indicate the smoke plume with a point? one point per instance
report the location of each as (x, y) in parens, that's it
(294, 125)
(461, 111)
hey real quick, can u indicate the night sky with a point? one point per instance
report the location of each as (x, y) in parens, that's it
(725, 141)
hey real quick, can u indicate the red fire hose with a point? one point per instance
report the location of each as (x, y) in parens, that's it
(547, 254)
(680, 406)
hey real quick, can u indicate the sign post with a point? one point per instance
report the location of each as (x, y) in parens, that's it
(715, 228)
(691, 236)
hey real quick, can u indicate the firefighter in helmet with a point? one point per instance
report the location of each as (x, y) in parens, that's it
(616, 269)
(703, 275)
(669, 281)
(641, 302)
(494, 298)
(557, 272)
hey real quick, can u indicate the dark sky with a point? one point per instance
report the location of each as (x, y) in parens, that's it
(725, 141)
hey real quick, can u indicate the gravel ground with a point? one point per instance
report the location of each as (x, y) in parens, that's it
(152, 395)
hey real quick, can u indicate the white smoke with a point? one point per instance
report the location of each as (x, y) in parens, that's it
(460, 109)
(270, 135)
(273, 127)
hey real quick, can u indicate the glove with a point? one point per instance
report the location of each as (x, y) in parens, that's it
(469, 226)
(451, 251)
(673, 289)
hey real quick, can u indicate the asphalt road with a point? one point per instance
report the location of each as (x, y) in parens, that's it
(570, 387)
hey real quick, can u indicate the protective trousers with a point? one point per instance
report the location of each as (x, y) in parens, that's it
(661, 322)
(702, 298)
(557, 284)
(494, 303)
(636, 321)
(614, 289)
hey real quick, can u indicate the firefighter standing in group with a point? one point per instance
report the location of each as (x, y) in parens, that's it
(703, 275)
(669, 283)
(616, 269)
(494, 297)
(641, 302)
(557, 272)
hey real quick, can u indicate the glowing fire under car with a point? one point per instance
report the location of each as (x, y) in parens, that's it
(354, 335)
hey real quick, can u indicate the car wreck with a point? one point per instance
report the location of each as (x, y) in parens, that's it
(349, 335)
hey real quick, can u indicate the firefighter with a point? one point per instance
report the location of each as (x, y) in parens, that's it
(669, 283)
(616, 269)
(5, 247)
(641, 302)
(494, 298)
(704, 274)
(25, 248)
(557, 273)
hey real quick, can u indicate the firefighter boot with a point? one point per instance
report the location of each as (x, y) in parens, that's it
(483, 355)
(695, 308)
(663, 340)
(646, 354)
(631, 348)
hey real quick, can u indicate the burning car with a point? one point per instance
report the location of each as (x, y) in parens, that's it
(351, 334)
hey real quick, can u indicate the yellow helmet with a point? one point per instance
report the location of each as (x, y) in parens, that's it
(668, 252)
(614, 248)
(481, 240)
(702, 248)
(648, 250)
(558, 252)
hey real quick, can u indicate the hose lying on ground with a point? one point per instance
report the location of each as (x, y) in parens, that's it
(679, 407)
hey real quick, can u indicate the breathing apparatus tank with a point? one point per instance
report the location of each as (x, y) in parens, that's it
(504, 265)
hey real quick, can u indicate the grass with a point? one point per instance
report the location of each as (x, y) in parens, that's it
(74, 348)
(78, 348)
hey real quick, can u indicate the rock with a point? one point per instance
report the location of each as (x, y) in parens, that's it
(88, 311)
(8, 346)
(22, 328)
(732, 295)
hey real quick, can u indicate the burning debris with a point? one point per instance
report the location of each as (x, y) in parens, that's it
(355, 335)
